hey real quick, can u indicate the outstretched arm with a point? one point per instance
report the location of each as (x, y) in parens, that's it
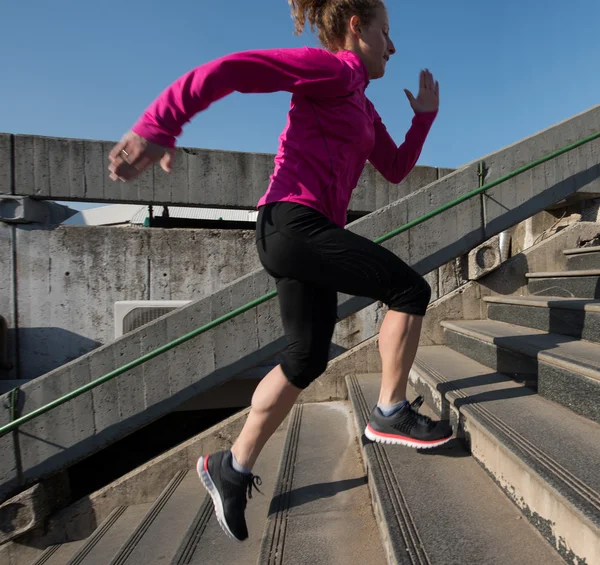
(394, 162)
(308, 71)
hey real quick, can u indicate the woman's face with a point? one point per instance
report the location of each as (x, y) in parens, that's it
(375, 44)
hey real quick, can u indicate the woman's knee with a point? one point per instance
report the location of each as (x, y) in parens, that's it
(413, 298)
(302, 370)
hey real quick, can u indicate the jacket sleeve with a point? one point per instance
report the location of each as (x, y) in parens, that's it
(394, 162)
(308, 71)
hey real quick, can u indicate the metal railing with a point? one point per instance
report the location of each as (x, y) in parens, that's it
(238, 311)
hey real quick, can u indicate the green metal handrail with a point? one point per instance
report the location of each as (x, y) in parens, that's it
(136, 363)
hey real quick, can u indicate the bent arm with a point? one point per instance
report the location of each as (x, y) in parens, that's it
(308, 71)
(394, 162)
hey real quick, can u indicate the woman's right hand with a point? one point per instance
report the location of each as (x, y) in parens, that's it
(134, 154)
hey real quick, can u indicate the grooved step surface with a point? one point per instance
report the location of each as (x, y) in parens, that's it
(567, 369)
(159, 534)
(439, 505)
(321, 512)
(573, 317)
(58, 554)
(558, 350)
(544, 456)
(209, 543)
(107, 540)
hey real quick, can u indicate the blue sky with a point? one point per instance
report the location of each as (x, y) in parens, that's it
(88, 69)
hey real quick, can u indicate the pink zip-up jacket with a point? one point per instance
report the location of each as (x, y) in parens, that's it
(332, 127)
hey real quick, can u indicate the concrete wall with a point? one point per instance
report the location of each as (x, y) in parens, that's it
(76, 169)
(67, 279)
(109, 412)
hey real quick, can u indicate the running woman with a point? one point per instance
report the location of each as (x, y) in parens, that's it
(332, 130)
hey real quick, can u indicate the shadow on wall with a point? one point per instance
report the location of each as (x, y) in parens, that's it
(509, 278)
(41, 350)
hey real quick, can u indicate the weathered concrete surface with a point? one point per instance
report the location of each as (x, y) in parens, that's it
(111, 411)
(76, 169)
(23, 513)
(69, 278)
(7, 303)
(6, 164)
(484, 259)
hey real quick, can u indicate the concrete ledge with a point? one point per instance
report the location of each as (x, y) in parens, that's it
(25, 210)
(23, 513)
(77, 169)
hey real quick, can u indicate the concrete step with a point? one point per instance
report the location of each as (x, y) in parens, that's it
(321, 512)
(567, 369)
(429, 502)
(568, 316)
(107, 540)
(58, 554)
(544, 457)
(569, 284)
(205, 541)
(583, 258)
(157, 537)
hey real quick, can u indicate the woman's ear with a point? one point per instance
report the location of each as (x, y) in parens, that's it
(354, 26)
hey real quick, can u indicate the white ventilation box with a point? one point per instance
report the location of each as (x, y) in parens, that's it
(131, 314)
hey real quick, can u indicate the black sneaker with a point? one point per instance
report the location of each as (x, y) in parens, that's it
(407, 427)
(228, 490)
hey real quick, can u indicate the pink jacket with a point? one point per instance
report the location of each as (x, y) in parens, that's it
(332, 127)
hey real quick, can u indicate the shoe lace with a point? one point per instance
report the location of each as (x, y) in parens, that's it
(417, 418)
(254, 481)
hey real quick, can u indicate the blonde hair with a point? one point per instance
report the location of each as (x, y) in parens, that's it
(331, 17)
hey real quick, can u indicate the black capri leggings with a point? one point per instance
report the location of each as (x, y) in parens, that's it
(312, 259)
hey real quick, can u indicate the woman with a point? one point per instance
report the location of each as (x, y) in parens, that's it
(332, 130)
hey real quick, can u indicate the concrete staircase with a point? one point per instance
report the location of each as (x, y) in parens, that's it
(522, 389)
(316, 508)
(518, 484)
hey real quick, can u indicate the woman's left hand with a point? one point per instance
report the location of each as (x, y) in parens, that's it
(428, 99)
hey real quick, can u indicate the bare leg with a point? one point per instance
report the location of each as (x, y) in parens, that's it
(272, 401)
(398, 342)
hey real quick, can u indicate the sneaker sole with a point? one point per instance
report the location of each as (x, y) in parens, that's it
(371, 434)
(209, 485)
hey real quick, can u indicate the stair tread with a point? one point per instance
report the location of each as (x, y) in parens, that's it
(59, 554)
(582, 250)
(568, 439)
(564, 274)
(442, 492)
(115, 531)
(575, 354)
(214, 546)
(166, 523)
(322, 510)
(589, 305)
